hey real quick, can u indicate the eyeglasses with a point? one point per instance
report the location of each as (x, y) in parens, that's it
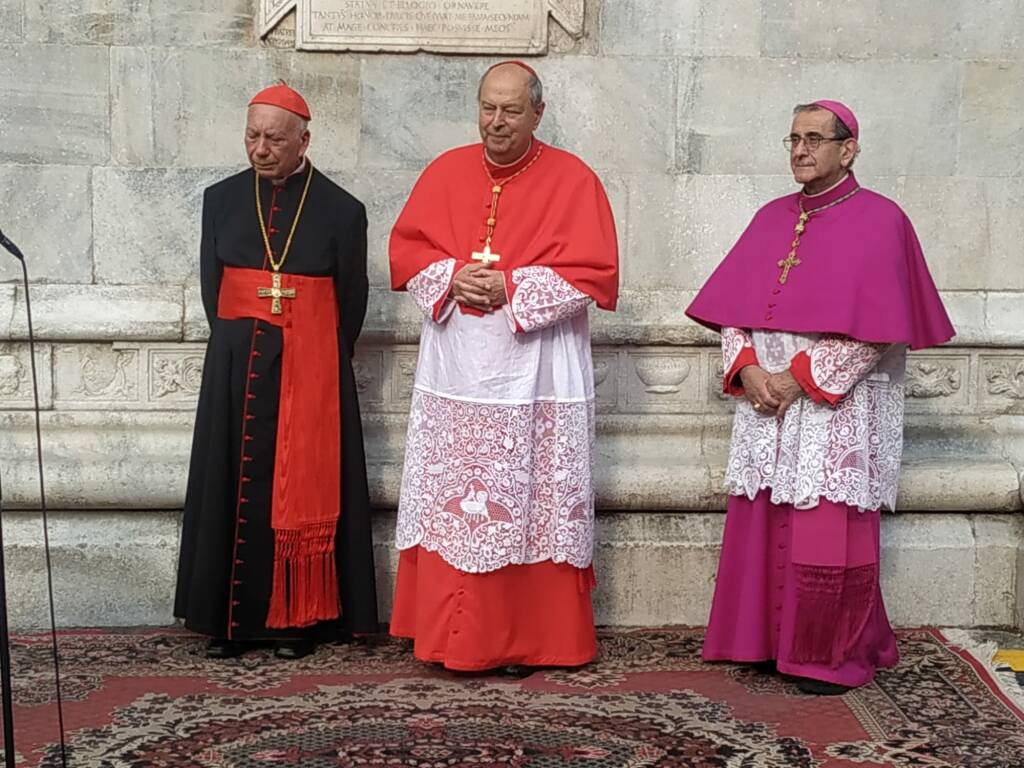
(812, 141)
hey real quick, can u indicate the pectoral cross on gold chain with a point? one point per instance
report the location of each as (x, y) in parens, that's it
(486, 256)
(791, 259)
(275, 293)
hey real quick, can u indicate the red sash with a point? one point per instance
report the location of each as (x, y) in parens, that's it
(307, 480)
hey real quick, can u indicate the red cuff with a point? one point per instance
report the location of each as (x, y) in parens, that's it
(731, 383)
(800, 367)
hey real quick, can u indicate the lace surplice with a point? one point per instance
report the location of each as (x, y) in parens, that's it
(847, 452)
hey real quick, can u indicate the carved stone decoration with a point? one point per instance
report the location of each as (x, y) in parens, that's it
(717, 374)
(269, 14)
(1006, 380)
(105, 379)
(601, 370)
(929, 380)
(12, 374)
(171, 374)
(282, 35)
(362, 375)
(405, 376)
(662, 375)
(443, 26)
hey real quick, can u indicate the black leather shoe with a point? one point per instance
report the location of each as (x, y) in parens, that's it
(518, 671)
(820, 687)
(219, 648)
(765, 667)
(295, 648)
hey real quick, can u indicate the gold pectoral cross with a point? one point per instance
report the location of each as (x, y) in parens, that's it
(787, 264)
(791, 260)
(275, 293)
(486, 256)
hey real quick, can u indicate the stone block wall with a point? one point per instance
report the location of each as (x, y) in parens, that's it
(116, 115)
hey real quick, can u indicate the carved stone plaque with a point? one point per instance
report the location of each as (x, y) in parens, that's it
(446, 26)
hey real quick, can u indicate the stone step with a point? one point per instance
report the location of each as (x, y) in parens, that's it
(139, 460)
(653, 568)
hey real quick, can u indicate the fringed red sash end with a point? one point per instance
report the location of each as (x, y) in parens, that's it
(833, 606)
(305, 588)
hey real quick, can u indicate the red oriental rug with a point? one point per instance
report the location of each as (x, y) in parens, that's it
(150, 699)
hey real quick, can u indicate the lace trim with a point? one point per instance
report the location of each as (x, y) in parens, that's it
(431, 285)
(486, 486)
(733, 342)
(839, 362)
(542, 298)
(848, 454)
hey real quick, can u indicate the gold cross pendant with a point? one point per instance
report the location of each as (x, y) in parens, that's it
(275, 293)
(486, 256)
(801, 225)
(787, 264)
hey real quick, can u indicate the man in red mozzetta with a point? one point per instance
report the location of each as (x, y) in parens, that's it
(276, 536)
(503, 246)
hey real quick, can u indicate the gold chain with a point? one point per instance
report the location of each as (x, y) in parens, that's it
(842, 199)
(791, 259)
(276, 265)
(496, 189)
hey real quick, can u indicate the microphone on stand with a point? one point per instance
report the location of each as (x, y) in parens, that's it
(15, 250)
(5, 639)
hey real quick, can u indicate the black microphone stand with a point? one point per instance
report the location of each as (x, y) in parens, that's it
(5, 640)
(5, 650)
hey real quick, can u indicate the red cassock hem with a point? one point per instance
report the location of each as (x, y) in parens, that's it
(535, 615)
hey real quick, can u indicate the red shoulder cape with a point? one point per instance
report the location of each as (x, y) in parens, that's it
(555, 214)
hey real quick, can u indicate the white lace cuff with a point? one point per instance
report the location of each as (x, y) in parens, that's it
(540, 298)
(839, 362)
(429, 289)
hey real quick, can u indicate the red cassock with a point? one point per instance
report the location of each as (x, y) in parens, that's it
(495, 521)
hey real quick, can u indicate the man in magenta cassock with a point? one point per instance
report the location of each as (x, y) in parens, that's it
(817, 305)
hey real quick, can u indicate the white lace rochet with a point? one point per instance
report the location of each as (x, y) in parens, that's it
(849, 453)
(501, 428)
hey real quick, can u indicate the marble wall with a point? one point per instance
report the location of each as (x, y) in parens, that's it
(116, 115)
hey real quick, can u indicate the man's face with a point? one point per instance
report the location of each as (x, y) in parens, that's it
(275, 141)
(826, 164)
(507, 117)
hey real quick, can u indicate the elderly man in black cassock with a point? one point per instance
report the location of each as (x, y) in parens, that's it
(276, 539)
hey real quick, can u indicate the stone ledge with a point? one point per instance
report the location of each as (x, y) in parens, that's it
(139, 460)
(118, 568)
(172, 312)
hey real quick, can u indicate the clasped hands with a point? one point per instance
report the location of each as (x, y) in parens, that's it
(770, 393)
(479, 287)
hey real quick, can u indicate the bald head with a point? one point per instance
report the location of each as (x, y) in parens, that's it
(511, 106)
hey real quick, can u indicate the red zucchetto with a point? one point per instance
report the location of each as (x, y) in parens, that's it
(284, 97)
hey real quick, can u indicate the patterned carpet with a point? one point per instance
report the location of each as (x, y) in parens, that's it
(149, 699)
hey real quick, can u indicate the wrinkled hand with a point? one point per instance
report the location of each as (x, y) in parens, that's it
(479, 287)
(785, 389)
(755, 389)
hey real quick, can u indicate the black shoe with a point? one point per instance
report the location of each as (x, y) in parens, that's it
(295, 648)
(820, 687)
(518, 671)
(219, 648)
(765, 667)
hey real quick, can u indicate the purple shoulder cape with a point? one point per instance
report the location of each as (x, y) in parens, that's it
(862, 274)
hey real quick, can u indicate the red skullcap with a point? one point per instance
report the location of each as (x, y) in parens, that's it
(284, 97)
(516, 62)
(843, 112)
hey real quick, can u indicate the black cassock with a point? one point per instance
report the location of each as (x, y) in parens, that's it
(227, 547)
